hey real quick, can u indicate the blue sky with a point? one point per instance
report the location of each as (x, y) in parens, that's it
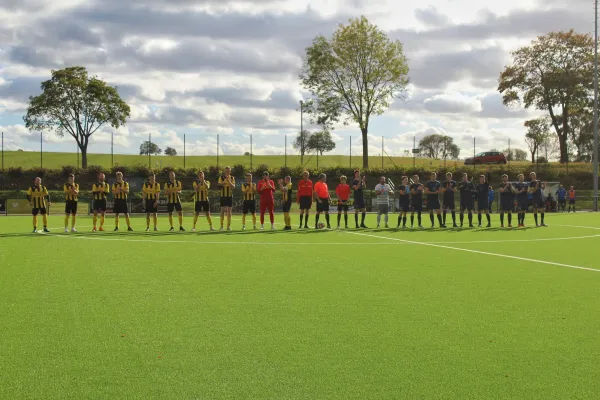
(203, 68)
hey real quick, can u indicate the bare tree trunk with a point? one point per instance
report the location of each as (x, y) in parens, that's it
(365, 142)
(83, 157)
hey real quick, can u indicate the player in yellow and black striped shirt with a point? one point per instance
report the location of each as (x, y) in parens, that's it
(100, 190)
(201, 203)
(249, 205)
(286, 198)
(227, 184)
(151, 195)
(120, 191)
(173, 191)
(39, 200)
(71, 190)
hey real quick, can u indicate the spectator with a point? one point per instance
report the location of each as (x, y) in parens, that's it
(490, 198)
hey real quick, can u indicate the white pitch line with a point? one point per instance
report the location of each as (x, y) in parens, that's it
(520, 240)
(578, 226)
(477, 252)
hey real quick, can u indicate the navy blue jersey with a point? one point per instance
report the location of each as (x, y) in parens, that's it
(483, 192)
(521, 188)
(507, 195)
(418, 194)
(358, 194)
(433, 186)
(466, 190)
(449, 194)
(404, 194)
(536, 187)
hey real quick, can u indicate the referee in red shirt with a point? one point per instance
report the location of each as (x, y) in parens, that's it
(266, 188)
(343, 195)
(322, 197)
(304, 198)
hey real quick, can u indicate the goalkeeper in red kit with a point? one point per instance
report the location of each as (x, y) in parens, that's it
(266, 188)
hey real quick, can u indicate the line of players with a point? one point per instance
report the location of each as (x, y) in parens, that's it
(410, 196)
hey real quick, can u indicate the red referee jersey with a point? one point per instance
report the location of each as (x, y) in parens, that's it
(343, 191)
(305, 188)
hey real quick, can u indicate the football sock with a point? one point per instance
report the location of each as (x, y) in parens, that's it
(378, 219)
(419, 218)
(470, 218)
(127, 220)
(404, 221)
(95, 221)
(488, 218)
(73, 218)
(45, 219)
(339, 219)
(66, 221)
(35, 220)
(116, 221)
(502, 217)
(317, 219)
(327, 219)
(254, 219)
(356, 218)
(431, 218)
(155, 218)
(386, 218)
(399, 219)
(439, 218)
(101, 221)
(479, 218)
(209, 219)
(301, 218)
(444, 219)
(362, 220)
(243, 220)
(462, 217)
(346, 219)
(171, 220)
(510, 219)
(196, 219)
(228, 221)
(180, 220)
(535, 218)
(543, 218)
(147, 222)
(412, 219)
(222, 219)
(453, 217)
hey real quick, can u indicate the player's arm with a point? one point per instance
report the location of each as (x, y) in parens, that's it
(125, 188)
(207, 184)
(196, 187)
(115, 188)
(75, 189)
(179, 188)
(65, 189)
(29, 195)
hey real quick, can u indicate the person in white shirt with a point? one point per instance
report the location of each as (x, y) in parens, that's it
(382, 190)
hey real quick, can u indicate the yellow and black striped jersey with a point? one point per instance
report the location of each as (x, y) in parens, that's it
(151, 191)
(173, 197)
(100, 190)
(201, 190)
(286, 193)
(38, 195)
(227, 186)
(249, 190)
(69, 196)
(124, 190)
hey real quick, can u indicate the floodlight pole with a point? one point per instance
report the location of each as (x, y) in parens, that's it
(596, 105)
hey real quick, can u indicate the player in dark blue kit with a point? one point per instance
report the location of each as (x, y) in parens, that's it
(535, 188)
(433, 189)
(521, 189)
(403, 201)
(358, 184)
(466, 190)
(449, 188)
(416, 191)
(483, 198)
(507, 193)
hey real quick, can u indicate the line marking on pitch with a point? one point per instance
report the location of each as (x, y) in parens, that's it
(578, 226)
(477, 252)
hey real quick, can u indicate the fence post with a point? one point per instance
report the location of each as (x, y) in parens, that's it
(509, 157)
(184, 151)
(285, 151)
(77, 149)
(2, 150)
(473, 153)
(382, 152)
(41, 151)
(413, 151)
(217, 151)
(350, 151)
(250, 152)
(112, 153)
(149, 141)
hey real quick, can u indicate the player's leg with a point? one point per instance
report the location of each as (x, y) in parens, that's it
(479, 211)
(535, 215)
(502, 218)
(271, 206)
(67, 214)
(102, 216)
(542, 214)
(318, 215)
(155, 220)
(412, 217)
(363, 215)
(487, 216)
(346, 216)
(229, 210)
(339, 215)
(95, 219)
(386, 212)
(326, 211)
(222, 213)
(44, 219)
(34, 213)
(378, 215)
(510, 218)
(208, 217)
(116, 221)
(179, 209)
(462, 214)
(439, 217)
(196, 215)
(431, 216)
(147, 221)
(73, 221)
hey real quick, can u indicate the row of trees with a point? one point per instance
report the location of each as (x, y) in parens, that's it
(149, 148)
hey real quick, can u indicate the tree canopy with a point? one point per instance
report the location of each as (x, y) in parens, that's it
(300, 142)
(321, 142)
(149, 148)
(538, 131)
(169, 151)
(74, 103)
(439, 146)
(553, 74)
(354, 75)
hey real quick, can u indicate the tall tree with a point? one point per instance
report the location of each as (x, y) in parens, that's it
(515, 154)
(581, 133)
(538, 131)
(354, 75)
(148, 147)
(321, 142)
(74, 103)
(439, 146)
(553, 74)
(301, 142)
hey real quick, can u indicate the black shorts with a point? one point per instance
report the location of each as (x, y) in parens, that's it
(150, 209)
(226, 201)
(433, 204)
(506, 205)
(483, 204)
(449, 204)
(202, 206)
(71, 207)
(36, 211)
(359, 203)
(120, 206)
(305, 202)
(467, 205)
(403, 207)
(571, 201)
(523, 204)
(99, 205)
(249, 206)
(287, 206)
(343, 206)
(417, 206)
(323, 206)
(173, 206)
(537, 202)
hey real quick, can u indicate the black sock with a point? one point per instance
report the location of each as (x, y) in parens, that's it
(362, 220)
(453, 217)
(316, 219)
(431, 218)
(445, 212)
(346, 219)
(327, 219)
(404, 221)
(356, 218)
(488, 218)
(419, 218)
(470, 218)
(542, 218)
(339, 218)
(502, 218)
(535, 218)
(399, 219)
(301, 218)
(479, 218)
(412, 220)
(439, 218)
(306, 219)
(462, 218)
(523, 218)
(510, 219)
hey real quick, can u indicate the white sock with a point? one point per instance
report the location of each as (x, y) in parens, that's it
(386, 219)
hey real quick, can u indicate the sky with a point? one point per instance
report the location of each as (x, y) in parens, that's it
(230, 68)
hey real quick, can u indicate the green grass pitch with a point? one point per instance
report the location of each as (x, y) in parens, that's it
(357, 314)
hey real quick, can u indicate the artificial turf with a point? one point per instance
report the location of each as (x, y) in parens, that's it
(357, 314)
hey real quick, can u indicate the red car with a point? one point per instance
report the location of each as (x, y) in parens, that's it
(488, 157)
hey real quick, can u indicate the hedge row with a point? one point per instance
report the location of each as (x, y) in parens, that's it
(19, 178)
